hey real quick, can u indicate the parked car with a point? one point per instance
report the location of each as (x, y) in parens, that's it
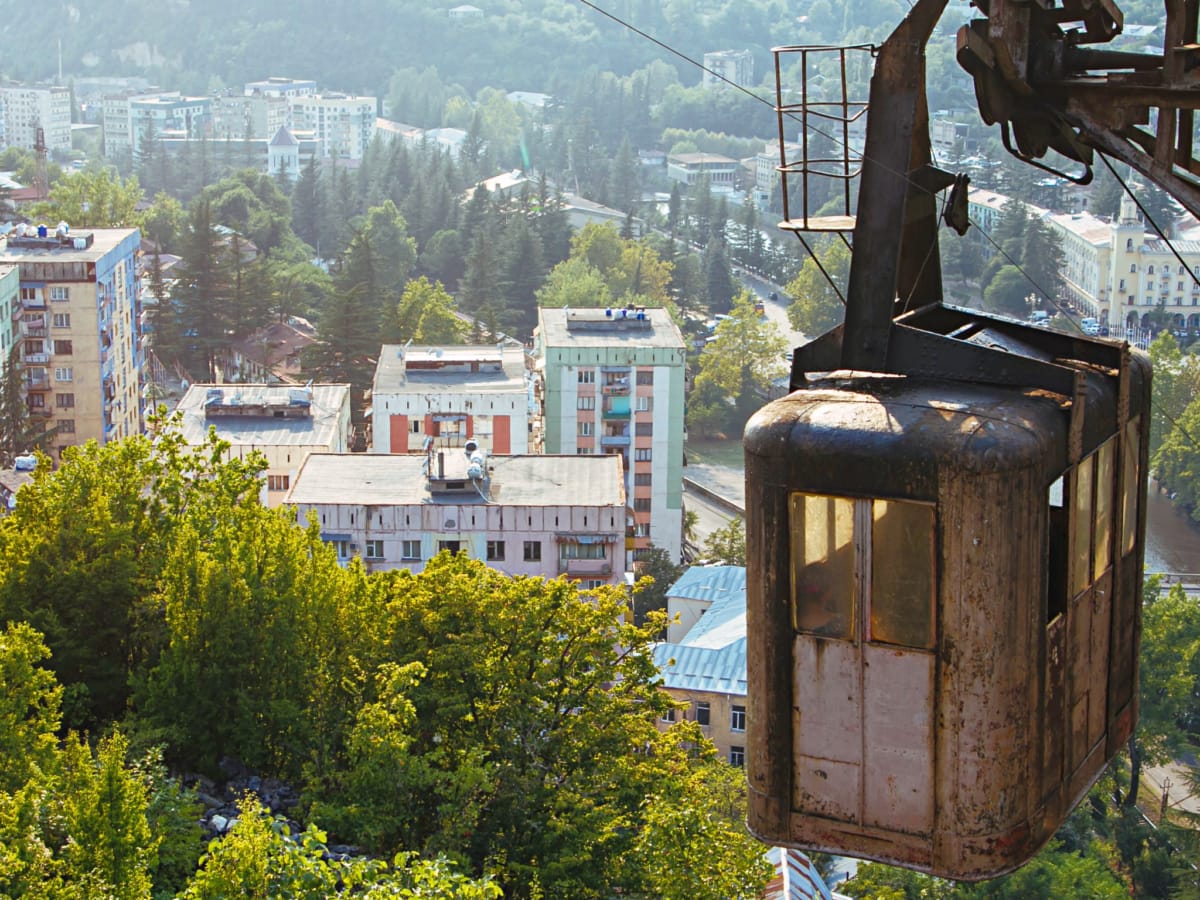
(1090, 325)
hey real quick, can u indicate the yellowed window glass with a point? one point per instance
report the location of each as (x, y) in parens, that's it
(1102, 552)
(902, 567)
(1133, 486)
(1081, 525)
(822, 543)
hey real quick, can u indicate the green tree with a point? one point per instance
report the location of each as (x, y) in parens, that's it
(201, 291)
(164, 221)
(92, 199)
(816, 306)
(574, 283)
(656, 573)
(426, 315)
(736, 370)
(1006, 292)
(727, 546)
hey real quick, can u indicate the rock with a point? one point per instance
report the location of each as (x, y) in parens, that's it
(219, 824)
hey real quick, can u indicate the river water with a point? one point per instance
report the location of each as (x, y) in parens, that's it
(1172, 539)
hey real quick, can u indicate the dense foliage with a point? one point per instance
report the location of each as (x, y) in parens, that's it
(506, 726)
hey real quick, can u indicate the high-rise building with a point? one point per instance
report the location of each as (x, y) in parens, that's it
(30, 107)
(343, 125)
(724, 66)
(612, 383)
(79, 332)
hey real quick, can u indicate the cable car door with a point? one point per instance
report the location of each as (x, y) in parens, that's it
(863, 590)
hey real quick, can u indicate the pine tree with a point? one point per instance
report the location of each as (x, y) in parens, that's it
(306, 205)
(202, 291)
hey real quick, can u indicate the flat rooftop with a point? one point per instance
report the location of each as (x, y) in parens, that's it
(269, 415)
(371, 479)
(469, 368)
(599, 327)
(103, 241)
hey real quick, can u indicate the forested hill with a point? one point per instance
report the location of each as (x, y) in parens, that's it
(355, 45)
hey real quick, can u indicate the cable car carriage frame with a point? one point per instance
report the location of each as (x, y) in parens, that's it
(946, 517)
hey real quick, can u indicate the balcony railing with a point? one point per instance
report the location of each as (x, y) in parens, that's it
(37, 359)
(584, 567)
(614, 440)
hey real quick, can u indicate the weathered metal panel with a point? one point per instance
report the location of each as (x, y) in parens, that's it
(1053, 725)
(828, 727)
(898, 703)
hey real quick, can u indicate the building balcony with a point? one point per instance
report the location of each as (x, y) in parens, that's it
(614, 440)
(617, 412)
(41, 412)
(584, 568)
(616, 389)
(33, 303)
(37, 359)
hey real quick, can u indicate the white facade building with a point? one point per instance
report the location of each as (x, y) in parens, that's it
(453, 394)
(343, 125)
(524, 515)
(26, 108)
(284, 423)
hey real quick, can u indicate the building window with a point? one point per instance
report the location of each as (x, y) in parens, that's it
(60, 294)
(642, 479)
(586, 403)
(1150, 271)
(64, 401)
(533, 551)
(1133, 267)
(585, 429)
(669, 715)
(587, 376)
(495, 551)
(703, 712)
(61, 320)
(63, 373)
(591, 584)
(645, 378)
(66, 426)
(641, 529)
(641, 504)
(572, 550)
(737, 718)
(642, 454)
(34, 347)
(374, 549)
(278, 482)
(343, 549)
(410, 549)
(416, 429)
(643, 404)
(28, 294)
(63, 348)
(449, 546)
(641, 553)
(37, 401)
(644, 429)
(737, 756)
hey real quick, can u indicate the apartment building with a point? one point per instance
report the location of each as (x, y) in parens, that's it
(257, 117)
(283, 422)
(611, 382)
(10, 309)
(342, 124)
(275, 86)
(688, 168)
(453, 394)
(168, 116)
(705, 666)
(79, 332)
(724, 66)
(524, 515)
(30, 107)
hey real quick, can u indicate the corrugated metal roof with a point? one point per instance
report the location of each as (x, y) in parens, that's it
(710, 583)
(688, 668)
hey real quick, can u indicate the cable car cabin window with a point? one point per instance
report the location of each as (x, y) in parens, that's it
(902, 574)
(837, 542)
(1102, 552)
(822, 537)
(1081, 526)
(1056, 583)
(1133, 483)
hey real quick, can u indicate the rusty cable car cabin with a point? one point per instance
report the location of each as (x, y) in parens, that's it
(946, 527)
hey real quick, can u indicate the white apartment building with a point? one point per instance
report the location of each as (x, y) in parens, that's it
(453, 394)
(524, 515)
(283, 422)
(343, 125)
(26, 108)
(168, 115)
(728, 65)
(275, 86)
(611, 382)
(80, 334)
(256, 116)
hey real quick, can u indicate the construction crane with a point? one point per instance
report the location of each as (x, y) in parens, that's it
(945, 554)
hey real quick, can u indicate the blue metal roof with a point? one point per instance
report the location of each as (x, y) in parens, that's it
(712, 655)
(710, 583)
